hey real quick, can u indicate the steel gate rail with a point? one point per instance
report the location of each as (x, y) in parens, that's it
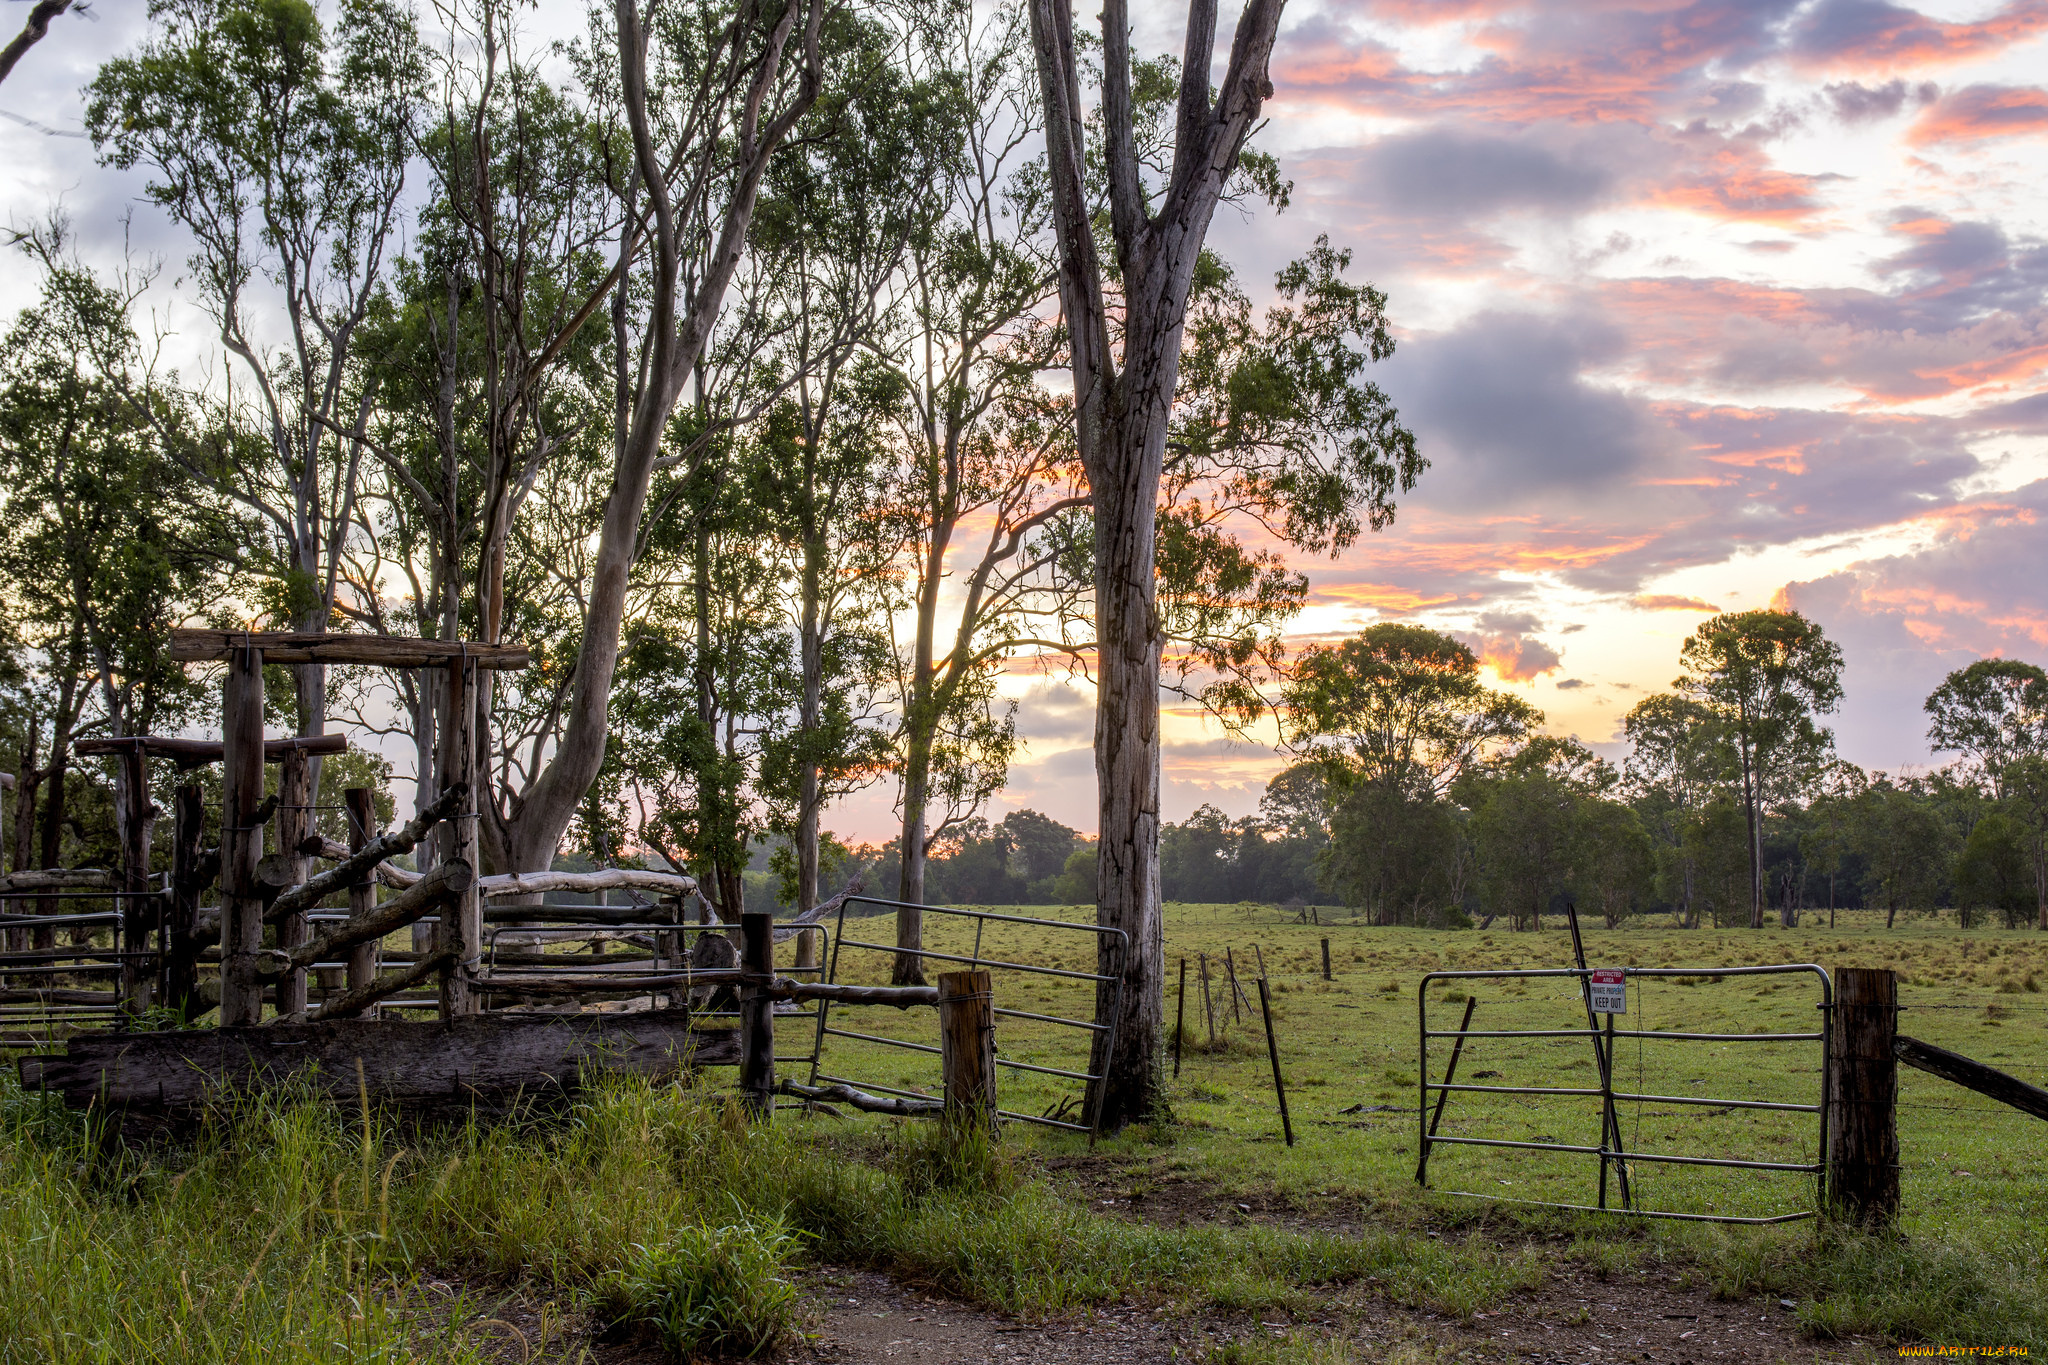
(1603, 1038)
(1090, 1079)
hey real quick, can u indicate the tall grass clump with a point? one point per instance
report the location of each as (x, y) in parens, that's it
(720, 1290)
(267, 1242)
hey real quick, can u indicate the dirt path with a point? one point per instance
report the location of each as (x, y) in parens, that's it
(862, 1317)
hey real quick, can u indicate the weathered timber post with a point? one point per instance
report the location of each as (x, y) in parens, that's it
(363, 960)
(967, 1049)
(1863, 1092)
(1236, 994)
(181, 916)
(462, 926)
(757, 1012)
(1208, 1002)
(294, 823)
(241, 839)
(139, 913)
(1180, 1014)
(1273, 1055)
(1326, 960)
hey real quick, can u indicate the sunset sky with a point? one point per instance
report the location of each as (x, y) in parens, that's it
(1701, 306)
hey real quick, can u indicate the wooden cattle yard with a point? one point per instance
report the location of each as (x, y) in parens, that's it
(653, 993)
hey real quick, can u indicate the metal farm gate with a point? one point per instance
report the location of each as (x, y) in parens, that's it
(1055, 1116)
(1612, 1153)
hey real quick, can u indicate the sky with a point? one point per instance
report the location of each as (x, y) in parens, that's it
(1700, 306)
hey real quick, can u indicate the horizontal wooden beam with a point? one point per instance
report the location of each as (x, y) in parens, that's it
(190, 753)
(862, 1100)
(1972, 1075)
(196, 646)
(487, 1060)
(58, 879)
(503, 884)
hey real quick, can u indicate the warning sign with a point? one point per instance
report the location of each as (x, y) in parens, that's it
(1609, 990)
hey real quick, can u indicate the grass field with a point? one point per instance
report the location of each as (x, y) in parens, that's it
(1353, 1041)
(300, 1233)
(1975, 1172)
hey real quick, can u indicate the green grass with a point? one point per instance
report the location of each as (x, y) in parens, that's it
(295, 1232)
(1975, 1189)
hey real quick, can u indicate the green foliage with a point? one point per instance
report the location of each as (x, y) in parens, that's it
(1400, 857)
(1613, 868)
(1993, 712)
(1905, 845)
(1995, 871)
(1076, 883)
(1401, 706)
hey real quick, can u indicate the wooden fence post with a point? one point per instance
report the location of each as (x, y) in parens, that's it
(1208, 1002)
(1273, 1055)
(462, 927)
(1180, 1014)
(138, 913)
(181, 916)
(241, 839)
(1863, 1092)
(294, 823)
(967, 1048)
(363, 959)
(757, 1012)
(1326, 960)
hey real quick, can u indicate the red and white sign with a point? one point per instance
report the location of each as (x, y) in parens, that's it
(1608, 987)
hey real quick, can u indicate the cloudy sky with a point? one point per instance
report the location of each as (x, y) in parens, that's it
(1702, 305)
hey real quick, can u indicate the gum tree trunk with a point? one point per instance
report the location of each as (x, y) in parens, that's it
(1122, 406)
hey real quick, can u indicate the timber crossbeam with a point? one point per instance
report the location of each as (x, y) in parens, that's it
(1954, 1067)
(195, 646)
(489, 1061)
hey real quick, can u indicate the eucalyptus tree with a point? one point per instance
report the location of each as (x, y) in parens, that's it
(861, 195)
(1992, 712)
(279, 144)
(978, 467)
(1676, 762)
(1764, 676)
(709, 674)
(107, 539)
(32, 32)
(1331, 463)
(1399, 706)
(695, 100)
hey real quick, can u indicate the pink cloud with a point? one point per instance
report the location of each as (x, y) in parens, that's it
(1980, 113)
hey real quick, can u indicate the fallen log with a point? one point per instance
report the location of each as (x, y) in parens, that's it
(1971, 1075)
(488, 1061)
(861, 1099)
(356, 866)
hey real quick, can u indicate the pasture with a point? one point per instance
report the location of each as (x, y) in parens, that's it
(355, 1237)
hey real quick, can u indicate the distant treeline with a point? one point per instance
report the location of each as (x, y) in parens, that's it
(1422, 796)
